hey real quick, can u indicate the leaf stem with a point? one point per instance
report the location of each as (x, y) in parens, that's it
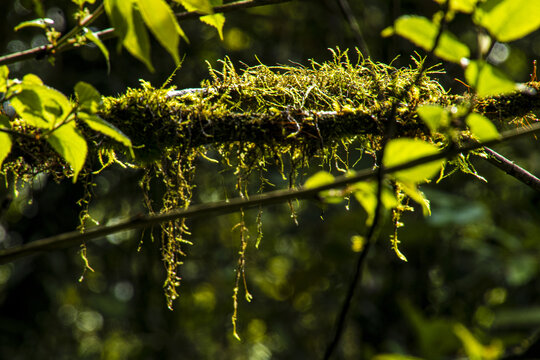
(64, 40)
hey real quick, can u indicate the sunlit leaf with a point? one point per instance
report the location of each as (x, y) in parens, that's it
(203, 6)
(96, 40)
(417, 196)
(68, 141)
(366, 194)
(41, 106)
(129, 26)
(322, 178)
(39, 23)
(435, 116)
(4, 73)
(481, 127)
(474, 348)
(508, 20)
(5, 139)
(215, 20)
(28, 105)
(98, 124)
(87, 96)
(401, 151)
(487, 79)
(464, 6)
(82, 2)
(423, 32)
(332, 196)
(318, 179)
(119, 13)
(160, 19)
(32, 79)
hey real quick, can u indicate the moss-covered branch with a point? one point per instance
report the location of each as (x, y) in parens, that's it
(274, 108)
(253, 119)
(236, 204)
(286, 105)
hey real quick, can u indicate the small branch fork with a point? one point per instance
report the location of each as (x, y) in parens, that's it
(279, 196)
(68, 43)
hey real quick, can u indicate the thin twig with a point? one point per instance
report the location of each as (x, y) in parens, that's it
(87, 21)
(44, 50)
(512, 169)
(359, 265)
(372, 232)
(355, 28)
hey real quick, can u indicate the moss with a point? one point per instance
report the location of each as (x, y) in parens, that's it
(255, 118)
(514, 105)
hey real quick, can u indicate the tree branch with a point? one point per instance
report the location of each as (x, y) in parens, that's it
(245, 4)
(40, 52)
(279, 196)
(512, 169)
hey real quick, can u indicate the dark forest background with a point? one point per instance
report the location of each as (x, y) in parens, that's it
(473, 262)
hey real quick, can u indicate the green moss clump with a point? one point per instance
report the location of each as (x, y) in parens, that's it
(258, 117)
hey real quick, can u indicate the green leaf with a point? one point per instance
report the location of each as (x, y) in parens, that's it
(31, 79)
(206, 7)
(41, 106)
(161, 21)
(417, 196)
(215, 20)
(98, 124)
(423, 32)
(318, 179)
(4, 73)
(474, 348)
(435, 116)
(80, 3)
(203, 6)
(119, 13)
(508, 20)
(88, 97)
(366, 194)
(487, 79)
(401, 151)
(330, 196)
(88, 34)
(481, 127)
(43, 23)
(5, 139)
(464, 6)
(68, 141)
(129, 26)
(28, 105)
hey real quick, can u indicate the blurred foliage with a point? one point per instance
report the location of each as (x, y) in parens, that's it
(473, 262)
